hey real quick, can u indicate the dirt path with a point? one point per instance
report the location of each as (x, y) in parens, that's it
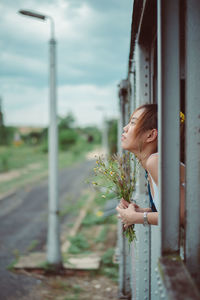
(7, 176)
(23, 218)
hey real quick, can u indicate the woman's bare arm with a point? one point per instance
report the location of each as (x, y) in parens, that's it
(130, 216)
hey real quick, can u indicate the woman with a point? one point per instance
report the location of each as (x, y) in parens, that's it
(140, 137)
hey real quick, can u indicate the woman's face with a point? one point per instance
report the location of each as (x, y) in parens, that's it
(129, 141)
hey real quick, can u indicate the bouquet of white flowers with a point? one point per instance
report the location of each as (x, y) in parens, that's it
(113, 174)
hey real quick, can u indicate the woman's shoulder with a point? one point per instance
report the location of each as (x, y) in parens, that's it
(152, 159)
(152, 166)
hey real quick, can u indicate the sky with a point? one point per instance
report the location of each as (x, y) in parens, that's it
(93, 40)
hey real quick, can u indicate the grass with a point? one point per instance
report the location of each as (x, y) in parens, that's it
(79, 244)
(21, 156)
(102, 235)
(72, 209)
(30, 164)
(16, 254)
(108, 268)
(97, 234)
(32, 245)
(95, 219)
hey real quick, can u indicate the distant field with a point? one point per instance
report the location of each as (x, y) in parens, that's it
(23, 165)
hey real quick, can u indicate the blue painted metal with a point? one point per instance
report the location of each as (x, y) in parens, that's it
(157, 241)
(193, 138)
(169, 123)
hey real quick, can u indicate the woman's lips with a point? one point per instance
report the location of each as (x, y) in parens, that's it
(123, 137)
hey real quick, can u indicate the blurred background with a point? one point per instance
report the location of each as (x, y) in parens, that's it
(92, 49)
(92, 45)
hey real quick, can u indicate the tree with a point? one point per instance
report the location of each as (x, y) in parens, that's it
(66, 122)
(112, 136)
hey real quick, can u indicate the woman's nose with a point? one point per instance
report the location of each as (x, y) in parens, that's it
(126, 128)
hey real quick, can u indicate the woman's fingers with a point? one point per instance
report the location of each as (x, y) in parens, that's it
(124, 203)
(119, 209)
(120, 205)
(136, 206)
(125, 226)
(132, 206)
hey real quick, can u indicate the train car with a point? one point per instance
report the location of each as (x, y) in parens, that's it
(164, 68)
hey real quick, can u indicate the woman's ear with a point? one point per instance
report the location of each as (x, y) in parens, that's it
(152, 135)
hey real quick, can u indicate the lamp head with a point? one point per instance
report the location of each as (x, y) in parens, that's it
(32, 14)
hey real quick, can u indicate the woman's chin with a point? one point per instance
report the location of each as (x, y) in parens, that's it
(124, 147)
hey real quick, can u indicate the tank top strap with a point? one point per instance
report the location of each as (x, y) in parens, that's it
(152, 205)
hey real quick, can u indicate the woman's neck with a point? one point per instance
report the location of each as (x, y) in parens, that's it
(144, 155)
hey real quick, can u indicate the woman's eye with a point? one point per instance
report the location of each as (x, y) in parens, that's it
(132, 122)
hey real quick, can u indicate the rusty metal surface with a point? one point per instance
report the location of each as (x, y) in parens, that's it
(177, 279)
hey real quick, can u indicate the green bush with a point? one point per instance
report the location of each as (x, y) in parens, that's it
(102, 235)
(78, 245)
(112, 136)
(108, 267)
(67, 138)
(93, 219)
(44, 146)
(4, 162)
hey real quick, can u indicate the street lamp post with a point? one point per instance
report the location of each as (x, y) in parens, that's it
(53, 238)
(104, 131)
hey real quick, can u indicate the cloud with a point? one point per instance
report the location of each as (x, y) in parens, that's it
(88, 103)
(92, 54)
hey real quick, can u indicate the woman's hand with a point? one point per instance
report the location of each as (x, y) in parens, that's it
(124, 204)
(129, 215)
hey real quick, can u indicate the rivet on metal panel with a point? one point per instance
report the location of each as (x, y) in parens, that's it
(156, 293)
(159, 283)
(156, 270)
(145, 241)
(145, 269)
(145, 279)
(162, 296)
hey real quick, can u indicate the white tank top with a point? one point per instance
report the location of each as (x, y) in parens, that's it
(155, 189)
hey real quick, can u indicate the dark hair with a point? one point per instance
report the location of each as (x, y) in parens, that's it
(149, 120)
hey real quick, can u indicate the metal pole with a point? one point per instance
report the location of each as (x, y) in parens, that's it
(168, 124)
(53, 239)
(124, 264)
(192, 139)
